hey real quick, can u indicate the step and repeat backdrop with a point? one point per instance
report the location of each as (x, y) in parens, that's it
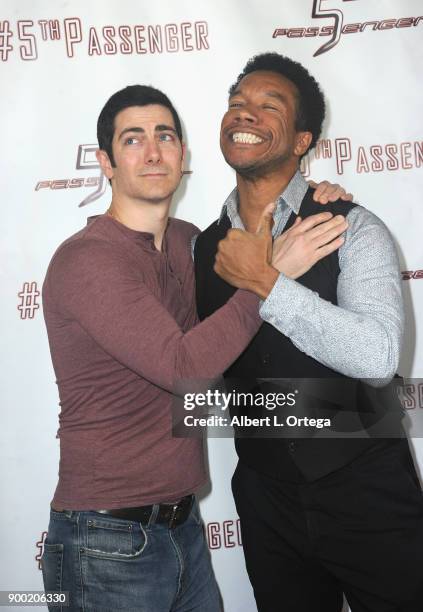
(59, 62)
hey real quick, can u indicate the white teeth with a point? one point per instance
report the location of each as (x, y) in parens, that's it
(246, 138)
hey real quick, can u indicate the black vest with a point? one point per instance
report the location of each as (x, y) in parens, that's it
(272, 355)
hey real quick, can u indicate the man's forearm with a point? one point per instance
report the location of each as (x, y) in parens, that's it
(131, 324)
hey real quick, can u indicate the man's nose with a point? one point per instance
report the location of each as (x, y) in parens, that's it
(152, 153)
(246, 113)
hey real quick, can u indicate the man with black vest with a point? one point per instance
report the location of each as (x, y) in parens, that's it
(320, 517)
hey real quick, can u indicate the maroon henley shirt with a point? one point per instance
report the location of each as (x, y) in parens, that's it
(123, 329)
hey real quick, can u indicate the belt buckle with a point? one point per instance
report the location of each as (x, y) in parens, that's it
(173, 516)
(181, 510)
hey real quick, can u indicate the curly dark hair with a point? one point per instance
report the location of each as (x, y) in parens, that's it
(310, 100)
(133, 95)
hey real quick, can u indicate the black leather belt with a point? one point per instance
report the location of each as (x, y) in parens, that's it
(172, 514)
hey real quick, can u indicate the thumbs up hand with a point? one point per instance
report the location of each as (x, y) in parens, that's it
(264, 228)
(243, 259)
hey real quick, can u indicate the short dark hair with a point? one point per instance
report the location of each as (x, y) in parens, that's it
(310, 100)
(133, 95)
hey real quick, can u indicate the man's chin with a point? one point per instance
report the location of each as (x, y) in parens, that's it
(237, 164)
(254, 169)
(156, 200)
(248, 170)
(240, 163)
(157, 197)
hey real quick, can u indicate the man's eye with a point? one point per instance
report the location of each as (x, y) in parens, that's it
(165, 137)
(234, 104)
(269, 107)
(131, 140)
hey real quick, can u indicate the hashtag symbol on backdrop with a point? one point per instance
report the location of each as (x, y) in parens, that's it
(28, 305)
(40, 546)
(5, 35)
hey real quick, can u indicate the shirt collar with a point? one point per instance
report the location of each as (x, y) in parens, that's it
(292, 196)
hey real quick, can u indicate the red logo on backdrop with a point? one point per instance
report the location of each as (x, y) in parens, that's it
(28, 303)
(332, 11)
(40, 546)
(318, 12)
(110, 39)
(412, 275)
(411, 394)
(226, 534)
(85, 160)
(366, 158)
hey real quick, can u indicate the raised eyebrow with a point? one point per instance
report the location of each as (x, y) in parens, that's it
(137, 130)
(162, 127)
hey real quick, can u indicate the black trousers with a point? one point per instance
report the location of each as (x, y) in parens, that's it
(357, 531)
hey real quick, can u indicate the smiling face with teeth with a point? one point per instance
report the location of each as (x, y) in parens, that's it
(258, 135)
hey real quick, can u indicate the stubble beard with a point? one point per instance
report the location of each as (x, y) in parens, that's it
(258, 169)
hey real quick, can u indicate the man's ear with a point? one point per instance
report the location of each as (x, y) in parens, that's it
(105, 163)
(184, 150)
(302, 142)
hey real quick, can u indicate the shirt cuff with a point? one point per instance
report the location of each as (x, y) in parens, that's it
(283, 304)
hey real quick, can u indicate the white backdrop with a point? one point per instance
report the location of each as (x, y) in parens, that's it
(59, 63)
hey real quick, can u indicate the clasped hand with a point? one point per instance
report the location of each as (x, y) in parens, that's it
(253, 261)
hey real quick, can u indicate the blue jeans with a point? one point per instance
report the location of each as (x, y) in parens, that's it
(109, 564)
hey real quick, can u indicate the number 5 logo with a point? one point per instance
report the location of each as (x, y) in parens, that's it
(86, 159)
(320, 13)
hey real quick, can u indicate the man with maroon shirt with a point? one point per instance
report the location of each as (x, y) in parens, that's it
(119, 304)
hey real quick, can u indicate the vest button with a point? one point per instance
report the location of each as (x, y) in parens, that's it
(266, 358)
(292, 447)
